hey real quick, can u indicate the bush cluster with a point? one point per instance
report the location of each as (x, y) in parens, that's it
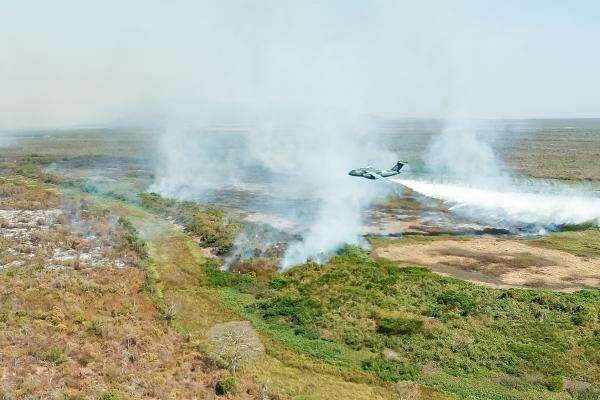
(299, 311)
(387, 370)
(226, 385)
(210, 224)
(399, 326)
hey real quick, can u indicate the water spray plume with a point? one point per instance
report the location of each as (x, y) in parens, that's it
(466, 174)
(533, 204)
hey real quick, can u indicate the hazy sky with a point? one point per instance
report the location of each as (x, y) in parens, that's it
(73, 62)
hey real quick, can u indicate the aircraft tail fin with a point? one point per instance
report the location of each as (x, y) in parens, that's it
(398, 166)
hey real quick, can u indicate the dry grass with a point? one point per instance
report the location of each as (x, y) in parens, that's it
(498, 263)
(72, 324)
(38, 227)
(24, 195)
(491, 263)
(80, 332)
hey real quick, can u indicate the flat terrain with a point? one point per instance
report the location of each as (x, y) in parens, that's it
(553, 148)
(106, 294)
(499, 263)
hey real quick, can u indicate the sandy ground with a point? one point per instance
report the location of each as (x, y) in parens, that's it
(499, 263)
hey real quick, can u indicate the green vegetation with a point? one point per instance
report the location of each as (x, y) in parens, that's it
(446, 333)
(368, 322)
(132, 238)
(554, 383)
(53, 355)
(226, 385)
(345, 317)
(110, 395)
(390, 370)
(580, 241)
(210, 224)
(32, 166)
(399, 326)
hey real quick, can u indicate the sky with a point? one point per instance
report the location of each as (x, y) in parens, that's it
(67, 63)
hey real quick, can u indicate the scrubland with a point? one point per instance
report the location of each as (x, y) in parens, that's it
(76, 317)
(135, 305)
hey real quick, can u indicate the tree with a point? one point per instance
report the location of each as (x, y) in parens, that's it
(235, 343)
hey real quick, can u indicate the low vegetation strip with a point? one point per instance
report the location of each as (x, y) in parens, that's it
(210, 224)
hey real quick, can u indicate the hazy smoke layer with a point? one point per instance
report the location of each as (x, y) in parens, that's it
(462, 151)
(535, 204)
(296, 171)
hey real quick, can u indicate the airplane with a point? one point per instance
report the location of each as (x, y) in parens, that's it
(374, 173)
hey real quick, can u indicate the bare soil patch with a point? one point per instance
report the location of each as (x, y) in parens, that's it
(498, 263)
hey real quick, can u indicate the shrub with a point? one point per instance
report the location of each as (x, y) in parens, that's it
(399, 326)
(212, 228)
(72, 396)
(52, 355)
(277, 283)
(262, 269)
(214, 277)
(392, 371)
(155, 202)
(299, 311)
(225, 385)
(95, 328)
(131, 237)
(353, 339)
(110, 394)
(209, 223)
(588, 394)
(582, 315)
(457, 300)
(554, 383)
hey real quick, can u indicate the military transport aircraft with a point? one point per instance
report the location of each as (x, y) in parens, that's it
(374, 173)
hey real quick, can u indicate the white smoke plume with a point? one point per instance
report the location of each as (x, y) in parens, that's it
(303, 166)
(465, 172)
(539, 205)
(293, 82)
(462, 151)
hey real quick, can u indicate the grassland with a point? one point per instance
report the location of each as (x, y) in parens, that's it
(582, 243)
(408, 323)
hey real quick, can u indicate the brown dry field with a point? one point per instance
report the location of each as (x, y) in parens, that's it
(74, 320)
(498, 262)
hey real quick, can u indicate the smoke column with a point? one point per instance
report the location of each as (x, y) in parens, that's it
(302, 165)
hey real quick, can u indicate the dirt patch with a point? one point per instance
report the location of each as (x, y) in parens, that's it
(499, 263)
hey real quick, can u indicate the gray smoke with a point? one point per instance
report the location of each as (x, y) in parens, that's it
(301, 165)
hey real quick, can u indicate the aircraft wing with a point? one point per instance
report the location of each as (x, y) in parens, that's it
(372, 175)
